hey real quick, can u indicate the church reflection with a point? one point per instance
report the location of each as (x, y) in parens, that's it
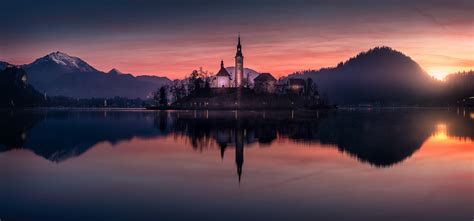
(380, 138)
(239, 150)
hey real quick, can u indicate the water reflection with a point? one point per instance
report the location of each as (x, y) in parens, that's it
(139, 165)
(381, 138)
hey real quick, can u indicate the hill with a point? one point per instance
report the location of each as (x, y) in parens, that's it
(16, 92)
(59, 74)
(459, 88)
(378, 76)
(3, 65)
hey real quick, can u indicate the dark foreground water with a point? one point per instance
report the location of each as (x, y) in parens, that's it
(391, 164)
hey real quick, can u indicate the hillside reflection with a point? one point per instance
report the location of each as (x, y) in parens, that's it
(380, 138)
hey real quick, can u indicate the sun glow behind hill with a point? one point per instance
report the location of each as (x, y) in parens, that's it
(438, 74)
(162, 38)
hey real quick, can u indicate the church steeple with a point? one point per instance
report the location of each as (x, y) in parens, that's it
(239, 48)
(239, 65)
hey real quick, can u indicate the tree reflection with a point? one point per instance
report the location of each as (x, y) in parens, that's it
(381, 138)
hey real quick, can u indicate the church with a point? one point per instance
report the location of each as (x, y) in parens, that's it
(225, 80)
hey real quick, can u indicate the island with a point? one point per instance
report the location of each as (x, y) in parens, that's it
(240, 90)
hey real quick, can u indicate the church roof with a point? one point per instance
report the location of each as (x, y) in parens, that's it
(223, 72)
(265, 77)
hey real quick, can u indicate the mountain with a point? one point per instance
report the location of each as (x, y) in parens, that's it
(381, 75)
(59, 74)
(252, 74)
(58, 61)
(144, 78)
(16, 92)
(115, 71)
(367, 136)
(33, 131)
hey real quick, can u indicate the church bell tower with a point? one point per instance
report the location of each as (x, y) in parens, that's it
(239, 66)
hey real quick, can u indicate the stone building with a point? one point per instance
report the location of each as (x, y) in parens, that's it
(237, 79)
(223, 78)
(265, 83)
(296, 85)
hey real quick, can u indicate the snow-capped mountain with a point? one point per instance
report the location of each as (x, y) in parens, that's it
(64, 61)
(59, 74)
(250, 73)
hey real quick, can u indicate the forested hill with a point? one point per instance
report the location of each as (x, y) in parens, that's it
(381, 75)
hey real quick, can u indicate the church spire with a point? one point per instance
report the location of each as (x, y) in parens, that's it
(222, 63)
(239, 65)
(239, 40)
(239, 47)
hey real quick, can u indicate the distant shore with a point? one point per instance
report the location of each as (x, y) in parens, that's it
(329, 107)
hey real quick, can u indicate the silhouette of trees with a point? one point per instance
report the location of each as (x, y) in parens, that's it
(199, 81)
(16, 92)
(177, 90)
(161, 96)
(459, 88)
(311, 90)
(61, 101)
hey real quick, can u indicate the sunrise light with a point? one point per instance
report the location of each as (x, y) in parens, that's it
(439, 74)
(237, 110)
(441, 132)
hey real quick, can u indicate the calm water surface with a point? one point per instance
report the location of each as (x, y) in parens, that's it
(391, 164)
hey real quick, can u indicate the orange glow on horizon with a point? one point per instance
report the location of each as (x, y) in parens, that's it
(173, 39)
(176, 59)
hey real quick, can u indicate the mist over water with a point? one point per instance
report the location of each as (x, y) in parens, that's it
(369, 164)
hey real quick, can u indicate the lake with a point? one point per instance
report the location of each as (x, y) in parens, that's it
(350, 164)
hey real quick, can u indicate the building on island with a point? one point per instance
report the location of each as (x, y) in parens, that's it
(296, 85)
(238, 79)
(236, 88)
(265, 83)
(223, 77)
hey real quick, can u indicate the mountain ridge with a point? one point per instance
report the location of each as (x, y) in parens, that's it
(59, 74)
(380, 75)
(69, 63)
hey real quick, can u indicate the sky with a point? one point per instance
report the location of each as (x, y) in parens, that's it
(171, 38)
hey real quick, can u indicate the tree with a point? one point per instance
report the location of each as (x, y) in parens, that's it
(203, 74)
(193, 81)
(207, 86)
(161, 96)
(198, 79)
(311, 89)
(177, 90)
